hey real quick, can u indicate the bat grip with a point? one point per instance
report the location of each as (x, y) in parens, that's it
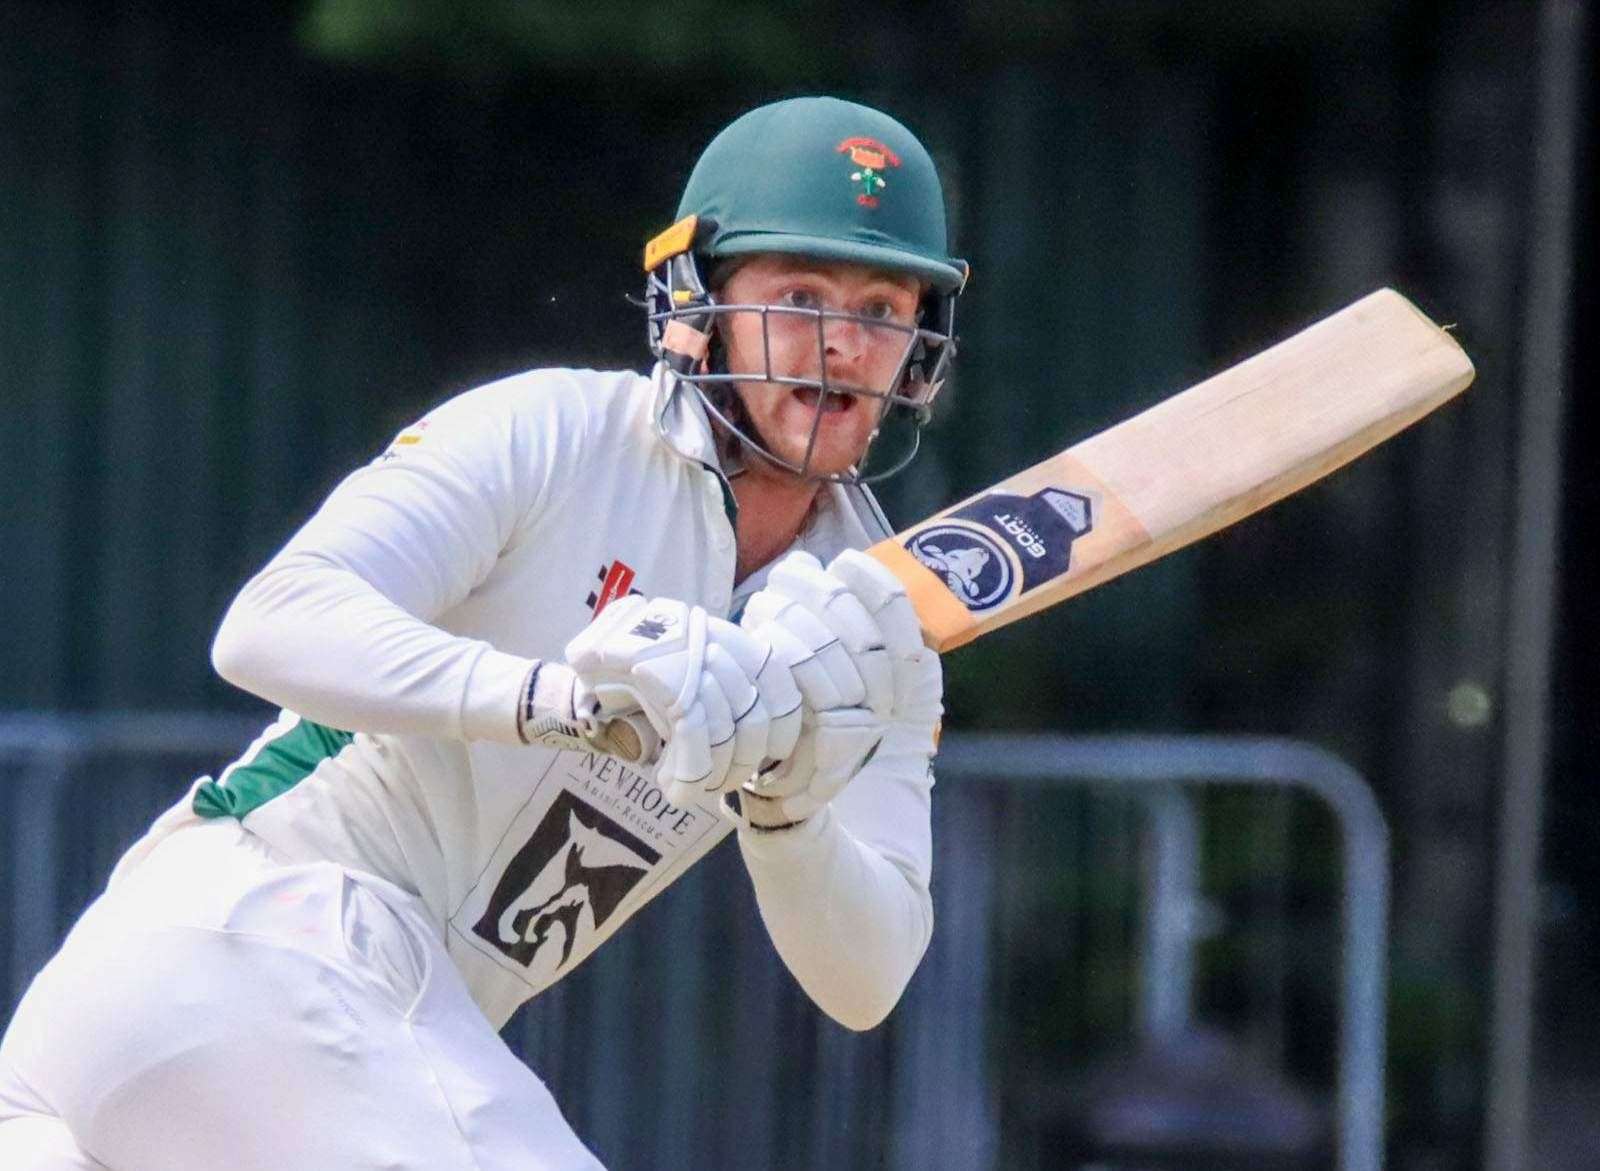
(629, 738)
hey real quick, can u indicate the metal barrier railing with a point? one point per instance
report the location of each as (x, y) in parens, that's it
(43, 757)
(1164, 762)
(627, 1042)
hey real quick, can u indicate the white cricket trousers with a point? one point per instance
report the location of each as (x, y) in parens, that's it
(219, 1009)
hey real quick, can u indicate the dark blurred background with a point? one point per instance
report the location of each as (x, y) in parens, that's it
(242, 245)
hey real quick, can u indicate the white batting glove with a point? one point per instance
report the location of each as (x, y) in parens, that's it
(814, 617)
(722, 703)
(826, 629)
(918, 676)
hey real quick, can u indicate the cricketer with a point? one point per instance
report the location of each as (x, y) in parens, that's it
(304, 963)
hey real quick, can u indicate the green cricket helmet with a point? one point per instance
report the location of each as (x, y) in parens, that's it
(827, 180)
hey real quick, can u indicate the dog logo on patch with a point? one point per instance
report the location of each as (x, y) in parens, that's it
(873, 159)
(973, 566)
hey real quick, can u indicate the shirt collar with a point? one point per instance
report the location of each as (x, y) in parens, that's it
(681, 419)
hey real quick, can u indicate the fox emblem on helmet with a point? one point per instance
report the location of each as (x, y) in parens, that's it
(762, 187)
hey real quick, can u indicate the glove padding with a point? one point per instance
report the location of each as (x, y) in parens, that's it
(852, 639)
(559, 711)
(917, 672)
(722, 702)
(834, 745)
(833, 646)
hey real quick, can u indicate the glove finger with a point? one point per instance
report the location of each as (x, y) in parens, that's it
(768, 608)
(666, 767)
(720, 731)
(868, 578)
(869, 658)
(763, 607)
(830, 599)
(860, 638)
(796, 559)
(789, 775)
(660, 683)
(770, 670)
(848, 685)
(781, 697)
(688, 756)
(901, 628)
(743, 647)
(847, 688)
(697, 650)
(751, 738)
(737, 686)
(884, 596)
(750, 720)
(876, 669)
(815, 685)
(804, 582)
(846, 738)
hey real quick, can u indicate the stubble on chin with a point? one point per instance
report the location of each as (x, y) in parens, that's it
(791, 422)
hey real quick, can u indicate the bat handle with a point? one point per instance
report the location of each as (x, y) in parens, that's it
(629, 738)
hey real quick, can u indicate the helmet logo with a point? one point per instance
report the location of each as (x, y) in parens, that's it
(873, 158)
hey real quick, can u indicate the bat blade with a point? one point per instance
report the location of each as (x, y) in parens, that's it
(1187, 467)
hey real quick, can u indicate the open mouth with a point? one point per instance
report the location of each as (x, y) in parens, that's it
(834, 404)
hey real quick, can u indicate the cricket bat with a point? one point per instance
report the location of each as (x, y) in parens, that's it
(1187, 467)
(1194, 463)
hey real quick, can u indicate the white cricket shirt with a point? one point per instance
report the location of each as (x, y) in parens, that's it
(396, 629)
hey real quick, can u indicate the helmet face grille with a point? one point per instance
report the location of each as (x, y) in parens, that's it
(830, 181)
(684, 320)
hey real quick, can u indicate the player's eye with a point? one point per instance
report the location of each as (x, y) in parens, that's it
(879, 310)
(800, 299)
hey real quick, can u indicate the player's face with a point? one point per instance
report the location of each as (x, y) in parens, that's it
(865, 353)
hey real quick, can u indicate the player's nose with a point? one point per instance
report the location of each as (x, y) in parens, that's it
(847, 346)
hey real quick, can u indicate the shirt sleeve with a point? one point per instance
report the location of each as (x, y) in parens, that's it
(337, 625)
(845, 895)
